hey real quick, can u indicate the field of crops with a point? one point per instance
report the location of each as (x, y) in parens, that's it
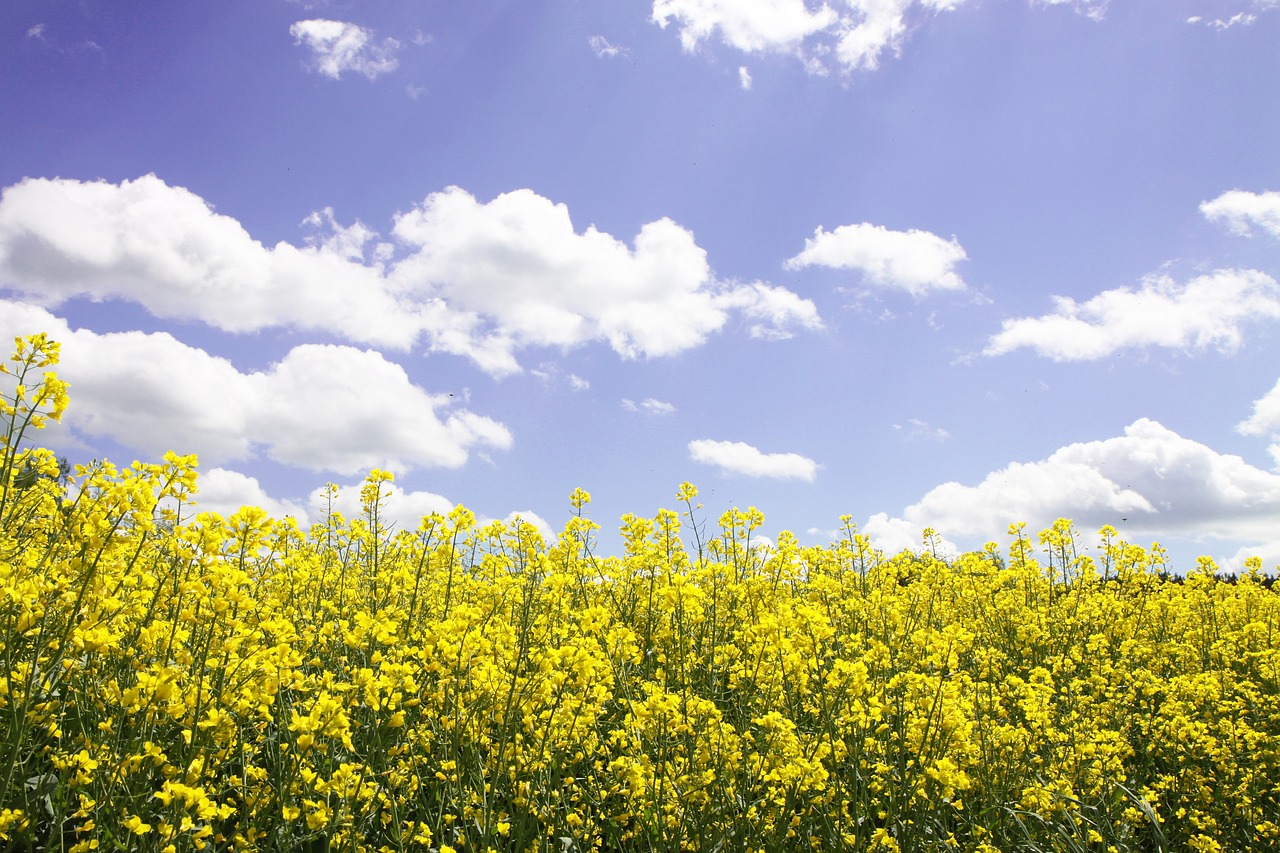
(175, 681)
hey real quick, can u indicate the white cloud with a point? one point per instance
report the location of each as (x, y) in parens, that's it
(894, 535)
(36, 32)
(397, 510)
(649, 406)
(550, 373)
(1240, 19)
(772, 312)
(856, 33)
(1211, 310)
(1246, 16)
(1241, 211)
(916, 429)
(914, 261)
(338, 46)
(166, 249)
(744, 77)
(149, 392)
(736, 457)
(477, 280)
(1095, 9)
(748, 25)
(515, 273)
(404, 510)
(1265, 420)
(225, 492)
(1268, 552)
(530, 517)
(1148, 482)
(357, 411)
(601, 47)
(852, 34)
(322, 407)
(349, 242)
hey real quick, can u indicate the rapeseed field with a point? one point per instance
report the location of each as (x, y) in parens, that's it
(172, 680)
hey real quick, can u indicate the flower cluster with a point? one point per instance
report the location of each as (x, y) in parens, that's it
(174, 682)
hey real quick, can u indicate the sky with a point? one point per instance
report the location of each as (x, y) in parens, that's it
(927, 263)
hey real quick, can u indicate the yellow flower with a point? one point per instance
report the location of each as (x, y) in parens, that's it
(136, 825)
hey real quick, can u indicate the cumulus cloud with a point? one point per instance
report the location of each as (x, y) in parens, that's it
(322, 407)
(166, 249)
(480, 280)
(1243, 211)
(1209, 311)
(397, 510)
(772, 313)
(360, 411)
(914, 261)
(225, 492)
(531, 518)
(853, 35)
(856, 35)
(736, 457)
(1268, 552)
(744, 77)
(893, 535)
(338, 46)
(1148, 482)
(402, 509)
(748, 25)
(1265, 420)
(516, 273)
(519, 261)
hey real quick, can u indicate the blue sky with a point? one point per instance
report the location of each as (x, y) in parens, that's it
(948, 263)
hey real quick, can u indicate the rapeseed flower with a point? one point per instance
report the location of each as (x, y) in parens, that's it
(177, 680)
